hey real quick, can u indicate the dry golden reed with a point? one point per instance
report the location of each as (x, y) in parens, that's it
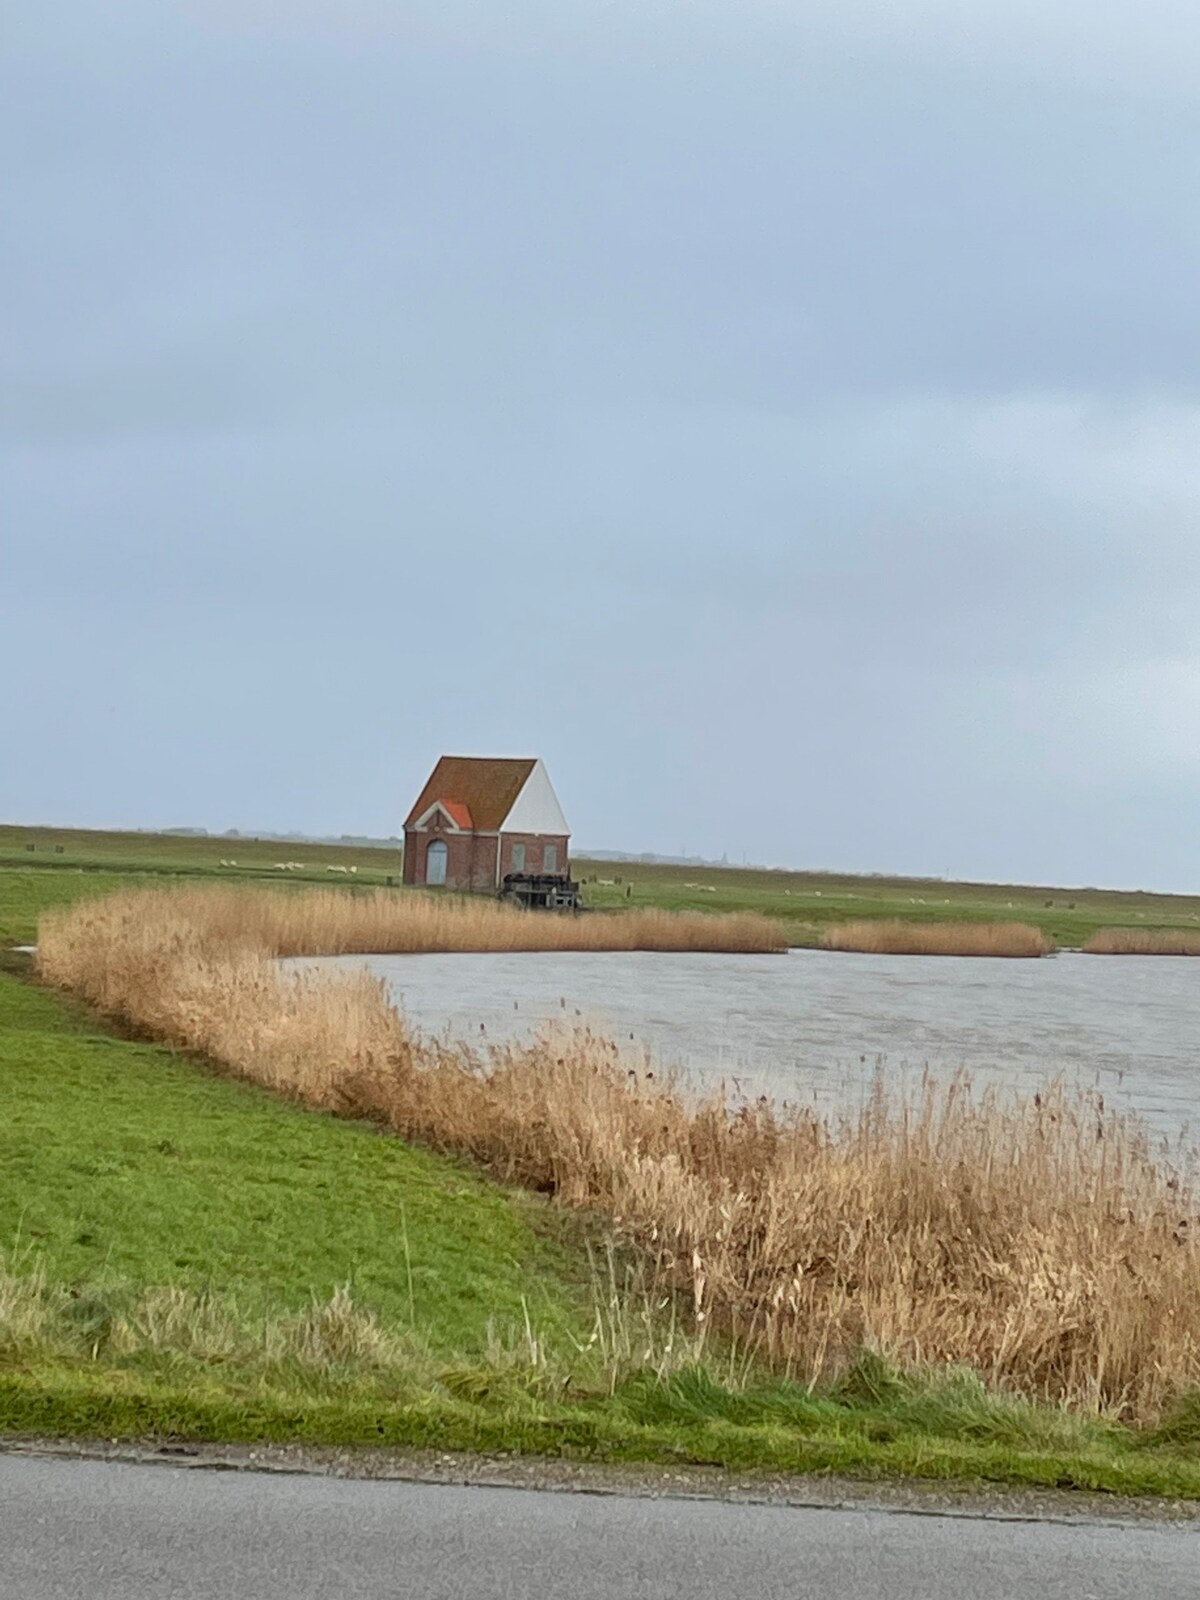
(1042, 1241)
(891, 936)
(1144, 942)
(310, 922)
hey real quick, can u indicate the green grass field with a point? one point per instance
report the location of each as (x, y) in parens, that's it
(808, 902)
(49, 863)
(89, 850)
(186, 1256)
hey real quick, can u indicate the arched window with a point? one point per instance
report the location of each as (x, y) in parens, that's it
(435, 862)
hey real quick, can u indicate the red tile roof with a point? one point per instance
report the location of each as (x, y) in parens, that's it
(461, 813)
(484, 787)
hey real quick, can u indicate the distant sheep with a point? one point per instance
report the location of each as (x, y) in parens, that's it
(336, 869)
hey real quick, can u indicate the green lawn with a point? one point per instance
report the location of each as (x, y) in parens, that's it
(184, 1255)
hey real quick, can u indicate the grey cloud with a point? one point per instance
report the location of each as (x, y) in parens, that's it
(833, 382)
(413, 225)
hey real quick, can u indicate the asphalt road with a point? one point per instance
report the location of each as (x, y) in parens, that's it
(116, 1531)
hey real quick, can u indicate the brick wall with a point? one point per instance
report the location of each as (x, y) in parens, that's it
(470, 857)
(535, 852)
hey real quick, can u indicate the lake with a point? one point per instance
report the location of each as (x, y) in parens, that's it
(813, 1026)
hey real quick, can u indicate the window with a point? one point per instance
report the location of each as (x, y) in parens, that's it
(518, 858)
(435, 862)
(550, 858)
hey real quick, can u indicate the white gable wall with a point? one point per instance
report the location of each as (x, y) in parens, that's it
(536, 808)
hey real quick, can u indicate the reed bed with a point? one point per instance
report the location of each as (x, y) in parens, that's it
(328, 922)
(894, 937)
(1042, 1241)
(1144, 942)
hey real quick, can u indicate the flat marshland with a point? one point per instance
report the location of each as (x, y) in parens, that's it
(892, 936)
(52, 864)
(1040, 1242)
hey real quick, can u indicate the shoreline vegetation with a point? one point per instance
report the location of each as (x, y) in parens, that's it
(44, 866)
(334, 922)
(891, 936)
(1045, 1243)
(1144, 942)
(189, 1257)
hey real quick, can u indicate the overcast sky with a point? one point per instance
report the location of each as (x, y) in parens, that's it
(782, 417)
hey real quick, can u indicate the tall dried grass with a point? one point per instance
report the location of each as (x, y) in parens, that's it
(318, 922)
(1144, 942)
(1041, 1241)
(891, 936)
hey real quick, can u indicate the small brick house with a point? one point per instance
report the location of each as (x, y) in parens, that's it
(479, 818)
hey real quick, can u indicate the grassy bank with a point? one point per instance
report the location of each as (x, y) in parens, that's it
(24, 895)
(121, 1160)
(1040, 1242)
(191, 1258)
(891, 936)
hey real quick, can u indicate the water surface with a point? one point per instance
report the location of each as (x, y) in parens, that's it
(814, 1025)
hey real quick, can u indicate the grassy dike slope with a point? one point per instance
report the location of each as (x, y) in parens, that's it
(175, 1246)
(122, 1163)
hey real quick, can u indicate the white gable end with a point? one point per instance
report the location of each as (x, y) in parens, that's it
(536, 808)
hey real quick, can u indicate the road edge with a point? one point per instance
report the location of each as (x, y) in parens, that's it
(909, 1497)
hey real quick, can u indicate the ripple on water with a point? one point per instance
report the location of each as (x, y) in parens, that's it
(814, 1026)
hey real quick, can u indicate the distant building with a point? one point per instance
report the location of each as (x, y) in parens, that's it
(479, 818)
